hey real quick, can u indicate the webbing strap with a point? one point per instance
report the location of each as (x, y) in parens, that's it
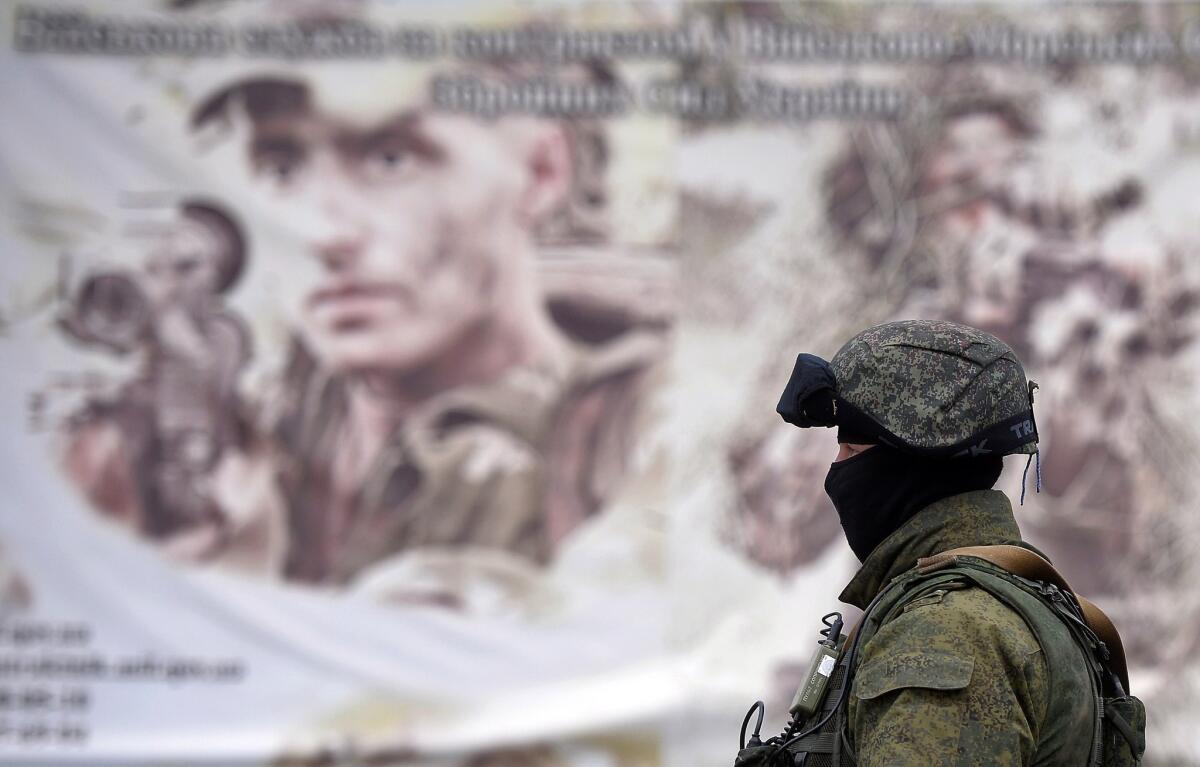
(1027, 564)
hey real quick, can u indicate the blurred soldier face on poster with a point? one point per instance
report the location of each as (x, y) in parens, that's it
(183, 265)
(975, 148)
(419, 221)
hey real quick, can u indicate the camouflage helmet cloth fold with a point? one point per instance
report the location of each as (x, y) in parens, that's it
(927, 387)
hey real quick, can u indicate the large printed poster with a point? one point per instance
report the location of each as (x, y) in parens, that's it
(394, 383)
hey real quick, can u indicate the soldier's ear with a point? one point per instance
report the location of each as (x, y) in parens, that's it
(548, 172)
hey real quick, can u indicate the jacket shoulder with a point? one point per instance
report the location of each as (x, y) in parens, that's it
(943, 631)
(954, 670)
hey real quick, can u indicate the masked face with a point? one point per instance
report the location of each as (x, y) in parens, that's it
(877, 490)
(862, 486)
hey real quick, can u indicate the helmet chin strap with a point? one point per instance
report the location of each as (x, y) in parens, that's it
(1035, 458)
(876, 491)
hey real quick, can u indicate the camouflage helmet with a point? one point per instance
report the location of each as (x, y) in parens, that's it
(926, 387)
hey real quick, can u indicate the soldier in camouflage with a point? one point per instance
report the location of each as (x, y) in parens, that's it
(953, 675)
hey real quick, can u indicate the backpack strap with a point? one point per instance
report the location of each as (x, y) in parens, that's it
(1028, 564)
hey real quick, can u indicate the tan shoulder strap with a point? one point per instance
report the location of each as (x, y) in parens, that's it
(1027, 564)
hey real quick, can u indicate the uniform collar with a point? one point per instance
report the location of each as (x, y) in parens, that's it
(527, 399)
(979, 518)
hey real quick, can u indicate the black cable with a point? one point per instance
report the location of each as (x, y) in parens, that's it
(758, 704)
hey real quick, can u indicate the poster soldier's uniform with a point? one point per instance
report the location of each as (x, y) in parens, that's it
(513, 466)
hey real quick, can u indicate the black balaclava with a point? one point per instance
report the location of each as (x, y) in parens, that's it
(878, 490)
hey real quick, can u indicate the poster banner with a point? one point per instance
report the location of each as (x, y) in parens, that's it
(394, 383)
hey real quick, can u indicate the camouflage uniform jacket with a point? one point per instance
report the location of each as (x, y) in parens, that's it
(954, 676)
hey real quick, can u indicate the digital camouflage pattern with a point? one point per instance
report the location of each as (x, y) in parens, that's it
(934, 383)
(950, 675)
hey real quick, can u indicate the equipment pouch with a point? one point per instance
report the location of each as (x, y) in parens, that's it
(1123, 732)
(755, 756)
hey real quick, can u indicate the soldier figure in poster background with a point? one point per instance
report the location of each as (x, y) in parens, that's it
(146, 455)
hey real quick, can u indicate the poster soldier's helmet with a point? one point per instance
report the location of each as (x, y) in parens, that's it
(926, 387)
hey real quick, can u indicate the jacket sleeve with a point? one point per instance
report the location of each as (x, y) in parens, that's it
(955, 681)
